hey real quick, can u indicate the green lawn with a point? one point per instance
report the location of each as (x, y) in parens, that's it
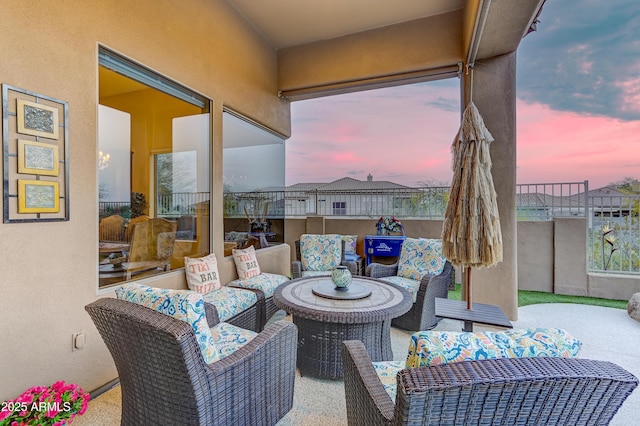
(533, 297)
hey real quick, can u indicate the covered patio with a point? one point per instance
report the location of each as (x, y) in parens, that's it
(236, 55)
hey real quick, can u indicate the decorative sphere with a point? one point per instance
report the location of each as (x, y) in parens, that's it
(341, 277)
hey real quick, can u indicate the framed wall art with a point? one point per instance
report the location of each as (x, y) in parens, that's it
(35, 144)
(37, 119)
(37, 158)
(38, 196)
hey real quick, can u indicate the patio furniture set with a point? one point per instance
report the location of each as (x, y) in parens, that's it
(207, 356)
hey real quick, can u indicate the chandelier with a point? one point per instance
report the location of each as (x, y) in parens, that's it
(103, 160)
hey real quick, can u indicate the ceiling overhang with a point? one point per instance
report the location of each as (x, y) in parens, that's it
(332, 46)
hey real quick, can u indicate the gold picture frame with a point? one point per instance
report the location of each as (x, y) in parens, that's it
(36, 119)
(38, 196)
(38, 158)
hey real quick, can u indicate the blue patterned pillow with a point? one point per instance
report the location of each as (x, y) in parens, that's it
(230, 301)
(350, 242)
(183, 305)
(265, 282)
(320, 252)
(229, 338)
(387, 372)
(441, 347)
(419, 257)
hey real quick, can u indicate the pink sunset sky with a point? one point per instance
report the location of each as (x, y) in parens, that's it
(404, 135)
(578, 113)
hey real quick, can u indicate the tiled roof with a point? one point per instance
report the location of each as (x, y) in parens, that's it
(541, 200)
(303, 186)
(346, 184)
(609, 197)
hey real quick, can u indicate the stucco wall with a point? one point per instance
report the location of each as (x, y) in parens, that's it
(49, 270)
(551, 255)
(411, 48)
(360, 227)
(552, 258)
(613, 286)
(535, 256)
(570, 264)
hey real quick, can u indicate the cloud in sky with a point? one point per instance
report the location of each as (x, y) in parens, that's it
(578, 111)
(557, 146)
(584, 58)
(401, 134)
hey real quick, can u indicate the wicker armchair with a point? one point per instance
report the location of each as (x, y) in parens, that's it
(422, 315)
(165, 380)
(508, 391)
(297, 268)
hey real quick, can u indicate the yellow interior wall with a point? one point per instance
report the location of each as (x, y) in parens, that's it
(152, 115)
(49, 270)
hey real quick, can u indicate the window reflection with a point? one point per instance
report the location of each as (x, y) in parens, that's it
(254, 179)
(153, 191)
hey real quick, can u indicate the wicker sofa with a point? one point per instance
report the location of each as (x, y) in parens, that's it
(274, 261)
(507, 391)
(241, 307)
(165, 379)
(275, 264)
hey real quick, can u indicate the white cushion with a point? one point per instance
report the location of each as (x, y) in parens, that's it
(246, 262)
(202, 273)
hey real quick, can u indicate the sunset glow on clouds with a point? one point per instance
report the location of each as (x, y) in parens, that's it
(401, 134)
(412, 145)
(556, 146)
(578, 111)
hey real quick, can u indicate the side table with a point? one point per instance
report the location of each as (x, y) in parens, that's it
(481, 313)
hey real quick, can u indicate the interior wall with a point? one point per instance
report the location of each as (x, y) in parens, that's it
(152, 116)
(49, 270)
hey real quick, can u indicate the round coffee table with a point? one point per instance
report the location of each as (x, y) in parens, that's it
(324, 320)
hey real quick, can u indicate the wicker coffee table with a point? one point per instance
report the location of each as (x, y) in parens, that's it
(326, 317)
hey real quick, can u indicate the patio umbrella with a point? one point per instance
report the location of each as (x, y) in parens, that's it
(471, 235)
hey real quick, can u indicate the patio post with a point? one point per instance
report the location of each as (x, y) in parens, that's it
(494, 93)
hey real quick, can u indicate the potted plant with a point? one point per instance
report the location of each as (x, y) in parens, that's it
(56, 405)
(388, 224)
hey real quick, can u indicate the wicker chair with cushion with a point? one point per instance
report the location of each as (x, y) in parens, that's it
(319, 254)
(504, 391)
(424, 273)
(175, 370)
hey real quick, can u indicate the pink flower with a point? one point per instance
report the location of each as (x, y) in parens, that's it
(26, 397)
(27, 406)
(58, 386)
(84, 407)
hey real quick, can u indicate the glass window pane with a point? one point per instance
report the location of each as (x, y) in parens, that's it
(254, 173)
(153, 180)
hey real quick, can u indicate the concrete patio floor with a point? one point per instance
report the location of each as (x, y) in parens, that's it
(607, 334)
